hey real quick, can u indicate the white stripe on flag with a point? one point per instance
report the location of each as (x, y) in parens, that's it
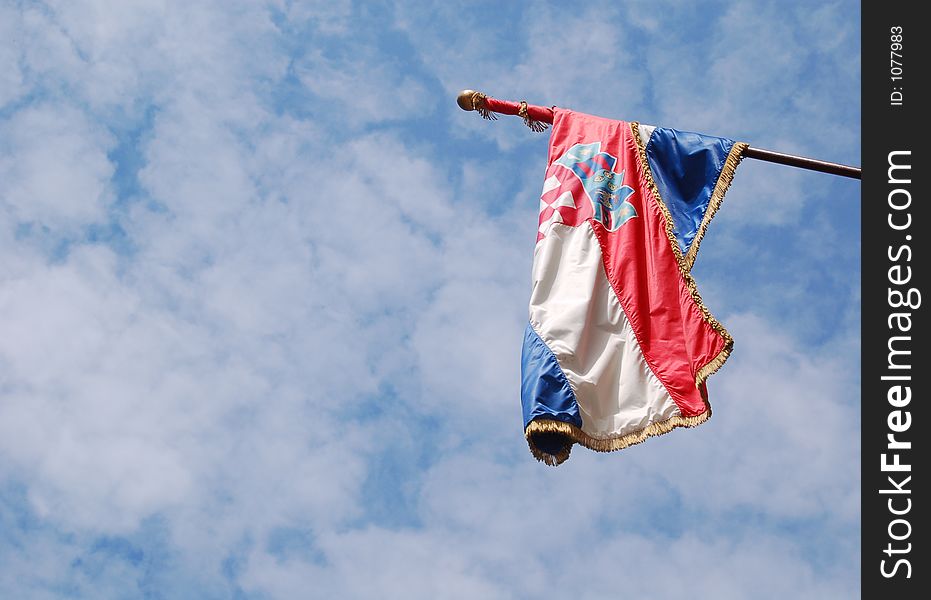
(579, 317)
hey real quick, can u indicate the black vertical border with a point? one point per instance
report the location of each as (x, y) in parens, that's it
(887, 128)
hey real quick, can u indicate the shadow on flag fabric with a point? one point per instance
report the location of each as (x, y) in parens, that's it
(619, 344)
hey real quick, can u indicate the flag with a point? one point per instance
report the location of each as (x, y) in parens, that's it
(619, 343)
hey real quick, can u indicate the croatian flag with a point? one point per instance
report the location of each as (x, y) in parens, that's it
(619, 343)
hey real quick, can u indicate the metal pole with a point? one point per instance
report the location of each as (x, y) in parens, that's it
(802, 162)
(471, 100)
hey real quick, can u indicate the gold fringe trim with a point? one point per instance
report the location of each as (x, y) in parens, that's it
(733, 159)
(717, 197)
(549, 426)
(523, 112)
(574, 435)
(478, 103)
(718, 361)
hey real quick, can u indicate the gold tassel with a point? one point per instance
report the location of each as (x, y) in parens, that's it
(478, 103)
(537, 126)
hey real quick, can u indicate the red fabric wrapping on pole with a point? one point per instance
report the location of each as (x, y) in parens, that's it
(506, 107)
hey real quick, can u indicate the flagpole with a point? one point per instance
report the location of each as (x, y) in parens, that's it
(537, 116)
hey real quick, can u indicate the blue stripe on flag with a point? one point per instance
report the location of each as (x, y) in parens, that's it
(545, 391)
(686, 167)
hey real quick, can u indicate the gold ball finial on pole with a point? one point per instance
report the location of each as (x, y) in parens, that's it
(472, 100)
(464, 99)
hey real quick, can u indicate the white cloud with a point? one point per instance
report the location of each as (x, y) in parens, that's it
(355, 94)
(55, 167)
(11, 44)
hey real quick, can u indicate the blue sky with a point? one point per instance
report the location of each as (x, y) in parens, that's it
(264, 286)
